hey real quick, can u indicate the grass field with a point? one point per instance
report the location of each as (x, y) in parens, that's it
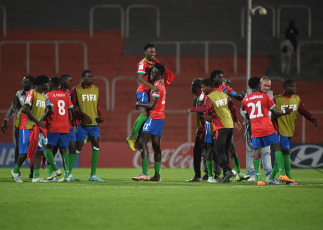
(120, 203)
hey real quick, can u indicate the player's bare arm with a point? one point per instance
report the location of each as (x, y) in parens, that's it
(149, 105)
(208, 118)
(84, 115)
(50, 111)
(100, 119)
(278, 113)
(239, 96)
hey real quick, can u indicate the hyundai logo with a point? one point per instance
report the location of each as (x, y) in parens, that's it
(304, 156)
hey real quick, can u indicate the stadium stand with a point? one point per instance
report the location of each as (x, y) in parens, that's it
(111, 55)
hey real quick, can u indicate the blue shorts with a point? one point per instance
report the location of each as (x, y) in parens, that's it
(260, 142)
(72, 135)
(83, 131)
(24, 141)
(154, 127)
(62, 139)
(285, 142)
(142, 97)
(208, 137)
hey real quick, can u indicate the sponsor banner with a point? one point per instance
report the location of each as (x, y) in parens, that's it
(306, 156)
(174, 155)
(7, 157)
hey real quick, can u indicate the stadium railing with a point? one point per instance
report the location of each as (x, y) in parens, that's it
(242, 20)
(299, 52)
(4, 20)
(143, 6)
(113, 87)
(206, 51)
(107, 90)
(309, 12)
(106, 6)
(55, 42)
(244, 78)
(189, 121)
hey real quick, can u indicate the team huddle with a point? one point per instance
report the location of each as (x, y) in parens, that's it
(63, 118)
(216, 117)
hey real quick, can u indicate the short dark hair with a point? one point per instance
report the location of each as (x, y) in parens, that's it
(207, 82)
(41, 79)
(197, 82)
(85, 72)
(63, 77)
(149, 45)
(160, 67)
(254, 82)
(214, 73)
(30, 78)
(288, 82)
(54, 81)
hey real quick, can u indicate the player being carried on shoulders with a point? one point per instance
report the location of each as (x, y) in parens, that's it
(144, 67)
(153, 127)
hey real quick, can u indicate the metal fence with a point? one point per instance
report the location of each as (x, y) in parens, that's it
(55, 42)
(206, 51)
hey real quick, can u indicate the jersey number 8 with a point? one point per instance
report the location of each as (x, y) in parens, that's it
(61, 107)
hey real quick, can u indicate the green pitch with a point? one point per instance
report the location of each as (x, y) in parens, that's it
(120, 203)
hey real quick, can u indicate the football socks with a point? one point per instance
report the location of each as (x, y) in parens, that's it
(66, 165)
(256, 164)
(72, 159)
(157, 166)
(138, 125)
(36, 173)
(209, 166)
(236, 164)
(50, 158)
(274, 171)
(144, 164)
(16, 168)
(280, 162)
(94, 161)
(287, 165)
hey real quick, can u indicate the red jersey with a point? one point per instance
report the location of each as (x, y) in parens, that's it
(226, 89)
(257, 105)
(59, 121)
(143, 68)
(158, 111)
